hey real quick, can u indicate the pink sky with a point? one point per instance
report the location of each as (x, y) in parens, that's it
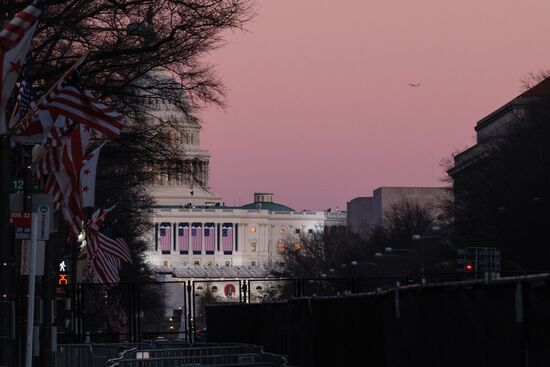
(319, 107)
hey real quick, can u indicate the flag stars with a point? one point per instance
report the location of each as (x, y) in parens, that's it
(85, 189)
(86, 172)
(15, 66)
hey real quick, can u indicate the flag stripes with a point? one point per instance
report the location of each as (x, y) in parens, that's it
(69, 101)
(196, 238)
(227, 238)
(183, 237)
(165, 237)
(209, 238)
(20, 24)
(105, 256)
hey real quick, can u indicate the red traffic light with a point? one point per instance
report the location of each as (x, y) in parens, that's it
(469, 267)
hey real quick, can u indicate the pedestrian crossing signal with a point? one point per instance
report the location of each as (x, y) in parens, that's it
(62, 280)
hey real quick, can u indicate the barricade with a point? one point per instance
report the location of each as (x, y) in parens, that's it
(92, 354)
(206, 355)
(477, 323)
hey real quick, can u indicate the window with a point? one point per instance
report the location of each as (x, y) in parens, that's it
(310, 230)
(214, 289)
(297, 230)
(281, 246)
(253, 229)
(210, 263)
(282, 231)
(252, 246)
(253, 263)
(165, 263)
(197, 262)
(227, 262)
(183, 262)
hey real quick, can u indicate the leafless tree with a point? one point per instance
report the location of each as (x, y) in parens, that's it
(312, 255)
(142, 54)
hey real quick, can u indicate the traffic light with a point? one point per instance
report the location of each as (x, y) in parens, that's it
(478, 260)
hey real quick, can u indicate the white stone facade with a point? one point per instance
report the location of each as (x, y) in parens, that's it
(258, 235)
(185, 209)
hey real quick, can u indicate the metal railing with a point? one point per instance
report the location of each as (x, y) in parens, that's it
(207, 355)
(91, 354)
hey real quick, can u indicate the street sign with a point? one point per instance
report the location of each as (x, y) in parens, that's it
(22, 223)
(43, 223)
(16, 185)
(26, 260)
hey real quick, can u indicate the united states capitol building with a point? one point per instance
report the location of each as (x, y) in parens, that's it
(197, 236)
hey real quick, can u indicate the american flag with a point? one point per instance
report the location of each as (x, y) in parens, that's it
(53, 188)
(15, 42)
(104, 255)
(73, 152)
(209, 238)
(73, 214)
(114, 246)
(70, 155)
(227, 238)
(183, 237)
(165, 237)
(58, 130)
(98, 218)
(15, 30)
(102, 266)
(68, 100)
(26, 101)
(196, 238)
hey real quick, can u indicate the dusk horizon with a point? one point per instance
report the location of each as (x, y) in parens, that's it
(326, 108)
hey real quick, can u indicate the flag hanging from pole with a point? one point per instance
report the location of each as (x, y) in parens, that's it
(37, 125)
(15, 41)
(79, 105)
(104, 255)
(20, 25)
(87, 178)
(11, 63)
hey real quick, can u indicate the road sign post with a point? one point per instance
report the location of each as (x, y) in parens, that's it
(32, 284)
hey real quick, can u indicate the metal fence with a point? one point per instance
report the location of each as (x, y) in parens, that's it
(207, 355)
(164, 354)
(175, 310)
(91, 354)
